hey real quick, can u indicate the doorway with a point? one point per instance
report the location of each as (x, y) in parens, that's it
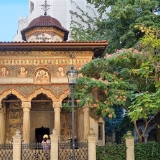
(40, 132)
(42, 117)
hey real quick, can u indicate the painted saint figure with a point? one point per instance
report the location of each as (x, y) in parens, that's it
(4, 72)
(22, 72)
(42, 76)
(60, 72)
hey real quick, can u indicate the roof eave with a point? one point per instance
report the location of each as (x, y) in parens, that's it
(97, 47)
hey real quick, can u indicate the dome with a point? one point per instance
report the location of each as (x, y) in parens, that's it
(45, 21)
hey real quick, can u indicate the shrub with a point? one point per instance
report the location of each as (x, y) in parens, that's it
(111, 152)
(143, 151)
(147, 151)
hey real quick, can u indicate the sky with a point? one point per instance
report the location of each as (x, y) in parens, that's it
(10, 10)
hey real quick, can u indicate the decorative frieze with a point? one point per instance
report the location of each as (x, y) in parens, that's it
(41, 61)
(50, 54)
(54, 92)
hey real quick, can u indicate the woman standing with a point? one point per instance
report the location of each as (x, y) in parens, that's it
(46, 142)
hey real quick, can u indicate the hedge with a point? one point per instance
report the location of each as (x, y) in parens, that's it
(143, 151)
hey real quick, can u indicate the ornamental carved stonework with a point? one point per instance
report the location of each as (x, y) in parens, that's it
(5, 93)
(39, 61)
(28, 73)
(11, 56)
(27, 92)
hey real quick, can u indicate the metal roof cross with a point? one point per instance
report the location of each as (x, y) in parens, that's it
(45, 7)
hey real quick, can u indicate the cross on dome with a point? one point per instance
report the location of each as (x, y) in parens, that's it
(45, 7)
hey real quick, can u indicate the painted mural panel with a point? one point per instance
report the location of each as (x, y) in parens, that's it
(14, 119)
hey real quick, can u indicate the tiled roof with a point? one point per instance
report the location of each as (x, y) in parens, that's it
(97, 47)
(45, 21)
(71, 41)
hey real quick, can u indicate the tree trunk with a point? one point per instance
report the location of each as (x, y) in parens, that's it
(140, 139)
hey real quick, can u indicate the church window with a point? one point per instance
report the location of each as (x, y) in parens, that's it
(100, 131)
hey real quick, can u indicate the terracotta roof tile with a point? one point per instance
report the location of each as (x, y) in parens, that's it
(45, 21)
(103, 41)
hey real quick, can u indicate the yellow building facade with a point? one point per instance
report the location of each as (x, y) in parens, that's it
(34, 85)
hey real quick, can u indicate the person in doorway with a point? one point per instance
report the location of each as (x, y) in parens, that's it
(46, 142)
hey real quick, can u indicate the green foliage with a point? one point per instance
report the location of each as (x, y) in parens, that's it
(114, 78)
(118, 25)
(143, 151)
(122, 128)
(147, 151)
(87, 28)
(112, 124)
(110, 152)
(126, 78)
(129, 78)
(144, 105)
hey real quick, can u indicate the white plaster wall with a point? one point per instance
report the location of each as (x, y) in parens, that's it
(59, 9)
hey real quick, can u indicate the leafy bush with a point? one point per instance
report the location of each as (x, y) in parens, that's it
(143, 151)
(111, 152)
(147, 151)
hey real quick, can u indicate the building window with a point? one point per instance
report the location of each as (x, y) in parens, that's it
(100, 131)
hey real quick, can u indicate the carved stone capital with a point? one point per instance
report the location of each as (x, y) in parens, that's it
(57, 105)
(26, 105)
(17, 137)
(92, 136)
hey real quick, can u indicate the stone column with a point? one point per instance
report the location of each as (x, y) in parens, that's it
(145, 138)
(86, 121)
(2, 124)
(54, 145)
(26, 121)
(92, 145)
(57, 123)
(130, 146)
(17, 146)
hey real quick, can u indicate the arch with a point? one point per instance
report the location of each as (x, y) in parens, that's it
(44, 91)
(12, 91)
(141, 127)
(149, 129)
(64, 95)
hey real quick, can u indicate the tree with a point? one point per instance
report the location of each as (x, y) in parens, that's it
(118, 25)
(147, 104)
(128, 78)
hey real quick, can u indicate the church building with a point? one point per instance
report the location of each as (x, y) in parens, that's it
(34, 85)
